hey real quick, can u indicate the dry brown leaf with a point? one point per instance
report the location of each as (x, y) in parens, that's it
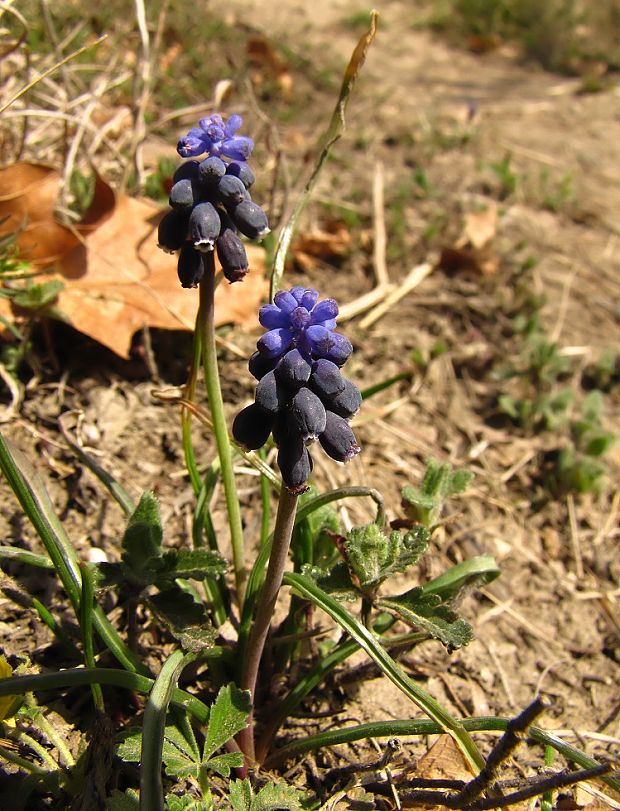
(479, 261)
(264, 57)
(479, 229)
(116, 279)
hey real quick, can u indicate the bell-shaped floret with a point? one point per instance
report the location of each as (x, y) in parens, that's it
(204, 226)
(306, 415)
(347, 402)
(251, 427)
(190, 268)
(270, 396)
(211, 171)
(242, 171)
(260, 364)
(172, 231)
(184, 194)
(295, 464)
(338, 440)
(250, 219)
(326, 379)
(293, 370)
(275, 342)
(186, 171)
(232, 255)
(231, 191)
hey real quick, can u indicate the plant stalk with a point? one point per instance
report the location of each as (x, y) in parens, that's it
(220, 431)
(285, 520)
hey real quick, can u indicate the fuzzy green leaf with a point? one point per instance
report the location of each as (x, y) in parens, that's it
(143, 537)
(277, 797)
(240, 795)
(123, 801)
(223, 764)
(130, 747)
(191, 563)
(370, 552)
(185, 618)
(462, 578)
(430, 614)
(228, 716)
(186, 803)
(336, 581)
(177, 754)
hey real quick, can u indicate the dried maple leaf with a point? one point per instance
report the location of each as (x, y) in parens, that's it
(116, 279)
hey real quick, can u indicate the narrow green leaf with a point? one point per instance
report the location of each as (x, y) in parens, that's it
(367, 641)
(228, 716)
(19, 685)
(115, 489)
(153, 728)
(24, 556)
(32, 495)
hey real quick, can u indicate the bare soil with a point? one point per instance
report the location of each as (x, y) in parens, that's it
(551, 623)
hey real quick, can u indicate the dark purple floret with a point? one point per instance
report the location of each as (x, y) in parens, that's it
(338, 440)
(211, 171)
(190, 268)
(172, 230)
(293, 370)
(231, 191)
(260, 364)
(347, 403)
(250, 219)
(184, 194)
(251, 428)
(326, 378)
(242, 171)
(186, 171)
(204, 226)
(295, 464)
(307, 415)
(270, 395)
(232, 255)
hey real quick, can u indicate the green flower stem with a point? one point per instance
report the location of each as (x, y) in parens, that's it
(390, 729)
(283, 531)
(220, 431)
(189, 393)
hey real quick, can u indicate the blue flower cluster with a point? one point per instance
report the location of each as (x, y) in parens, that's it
(210, 201)
(301, 394)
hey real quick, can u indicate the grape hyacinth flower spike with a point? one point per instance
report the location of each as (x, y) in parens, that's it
(210, 203)
(301, 394)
